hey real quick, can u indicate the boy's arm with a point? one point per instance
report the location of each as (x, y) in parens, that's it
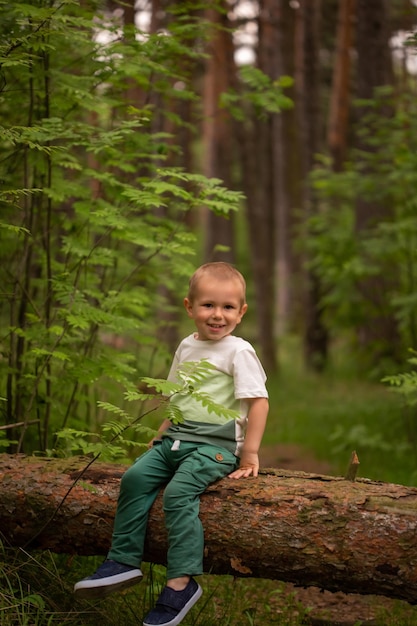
(249, 460)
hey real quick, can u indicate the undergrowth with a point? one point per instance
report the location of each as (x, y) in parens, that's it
(36, 590)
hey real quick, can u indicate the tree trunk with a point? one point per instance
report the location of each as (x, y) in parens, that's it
(287, 159)
(308, 529)
(316, 337)
(272, 28)
(263, 175)
(341, 85)
(217, 132)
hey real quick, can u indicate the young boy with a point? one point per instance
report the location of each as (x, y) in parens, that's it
(187, 457)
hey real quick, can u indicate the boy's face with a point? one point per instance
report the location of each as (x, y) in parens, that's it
(217, 308)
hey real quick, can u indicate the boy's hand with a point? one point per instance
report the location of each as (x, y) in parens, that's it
(158, 437)
(249, 460)
(249, 466)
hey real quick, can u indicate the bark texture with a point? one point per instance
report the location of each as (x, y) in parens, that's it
(308, 529)
(217, 131)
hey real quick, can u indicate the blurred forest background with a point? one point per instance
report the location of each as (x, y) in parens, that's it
(140, 139)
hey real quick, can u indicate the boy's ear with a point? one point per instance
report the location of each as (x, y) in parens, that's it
(243, 310)
(188, 307)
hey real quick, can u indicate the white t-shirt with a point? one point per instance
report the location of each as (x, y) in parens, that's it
(238, 375)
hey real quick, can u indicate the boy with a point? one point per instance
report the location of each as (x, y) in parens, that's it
(187, 457)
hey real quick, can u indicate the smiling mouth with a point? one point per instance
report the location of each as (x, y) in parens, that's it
(216, 326)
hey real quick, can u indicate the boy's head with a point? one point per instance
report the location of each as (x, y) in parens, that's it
(219, 271)
(216, 300)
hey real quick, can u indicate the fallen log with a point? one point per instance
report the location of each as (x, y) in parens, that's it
(308, 529)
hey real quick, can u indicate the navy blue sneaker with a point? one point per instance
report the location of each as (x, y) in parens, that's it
(110, 576)
(172, 606)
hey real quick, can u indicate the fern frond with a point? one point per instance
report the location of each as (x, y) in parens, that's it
(173, 414)
(213, 407)
(133, 395)
(112, 408)
(114, 428)
(193, 373)
(161, 386)
(144, 431)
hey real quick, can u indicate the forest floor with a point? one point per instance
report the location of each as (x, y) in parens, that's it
(325, 607)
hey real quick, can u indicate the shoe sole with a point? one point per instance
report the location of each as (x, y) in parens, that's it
(101, 591)
(178, 618)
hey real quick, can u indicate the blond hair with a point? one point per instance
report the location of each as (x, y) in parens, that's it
(219, 270)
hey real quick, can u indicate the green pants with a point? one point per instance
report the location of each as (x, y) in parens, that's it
(185, 473)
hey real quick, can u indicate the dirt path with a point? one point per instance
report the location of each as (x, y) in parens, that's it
(326, 608)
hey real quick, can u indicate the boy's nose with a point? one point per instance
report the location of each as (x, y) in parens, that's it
(217, 312)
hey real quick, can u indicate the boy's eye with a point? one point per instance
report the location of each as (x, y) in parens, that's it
(209, 305)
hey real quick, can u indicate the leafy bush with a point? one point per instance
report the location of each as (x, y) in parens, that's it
(94, 237)
(349, 258)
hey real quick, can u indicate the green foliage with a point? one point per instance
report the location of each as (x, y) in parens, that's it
(28, 598)
(344, 439)
(191, 374)
(405, 383)
(125, 432)
(94, 204)
(346, 256)
(257, 92)
(227, 600)
(18, 603)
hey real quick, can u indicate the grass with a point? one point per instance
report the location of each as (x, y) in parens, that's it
(36, 590)
(329, 415)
